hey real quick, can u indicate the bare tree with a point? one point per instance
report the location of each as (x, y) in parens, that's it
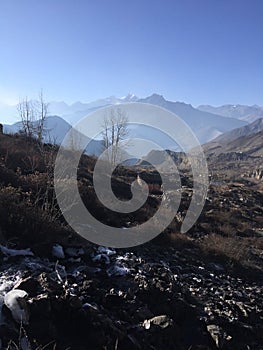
(26, 113)
(33, 115)
(42, 111)
(114, 131)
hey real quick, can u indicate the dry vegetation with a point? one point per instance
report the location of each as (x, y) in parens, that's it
(178, 270)
(228, 227)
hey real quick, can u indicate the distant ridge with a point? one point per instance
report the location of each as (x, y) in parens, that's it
(55, 130)
(246, 130)
(242, 112)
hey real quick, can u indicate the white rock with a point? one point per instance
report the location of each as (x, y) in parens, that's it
(105, 250)
(58, 252)
(16, 303)
(16, 252)
(147, 324)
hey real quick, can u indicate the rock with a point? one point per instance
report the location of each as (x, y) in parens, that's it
(113, 301)
(117, 270)
(1, 313)
(214, 330)
(41, 318)
(240, 305)
(216, 267)
(29, 284)
(74, 252)
(16, 303)
(49, 283)
(58, 252)
(105, 250)
(102, 258)
(144, 313)
(16, 252)
(146, 298)
(2, 238)
(24, 343)
(162, 321)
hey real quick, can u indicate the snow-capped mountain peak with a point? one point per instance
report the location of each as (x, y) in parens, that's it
(129, 98)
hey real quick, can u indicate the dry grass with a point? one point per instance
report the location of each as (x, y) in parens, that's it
(23, 343)
(234, 248)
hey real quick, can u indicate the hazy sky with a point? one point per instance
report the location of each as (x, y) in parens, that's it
(196, 51)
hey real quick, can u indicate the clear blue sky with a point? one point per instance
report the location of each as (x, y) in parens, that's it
(196, 51)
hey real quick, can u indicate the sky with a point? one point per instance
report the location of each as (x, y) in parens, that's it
(195, 51)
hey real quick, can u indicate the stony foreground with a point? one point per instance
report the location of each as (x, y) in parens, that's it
(146, 298)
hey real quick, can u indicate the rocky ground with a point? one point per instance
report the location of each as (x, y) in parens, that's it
(149, 297)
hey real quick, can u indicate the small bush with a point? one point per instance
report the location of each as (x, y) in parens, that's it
(235, 249)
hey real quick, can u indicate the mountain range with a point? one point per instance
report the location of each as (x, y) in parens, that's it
(74, 112)
(242, 112)
(204, 121)
(206, 125)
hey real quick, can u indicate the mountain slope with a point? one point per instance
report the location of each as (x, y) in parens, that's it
(246, 130)
(245, 144)
(205, 125)
(242, 144)
(55, 130)
(250, 145)
(242, 112)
